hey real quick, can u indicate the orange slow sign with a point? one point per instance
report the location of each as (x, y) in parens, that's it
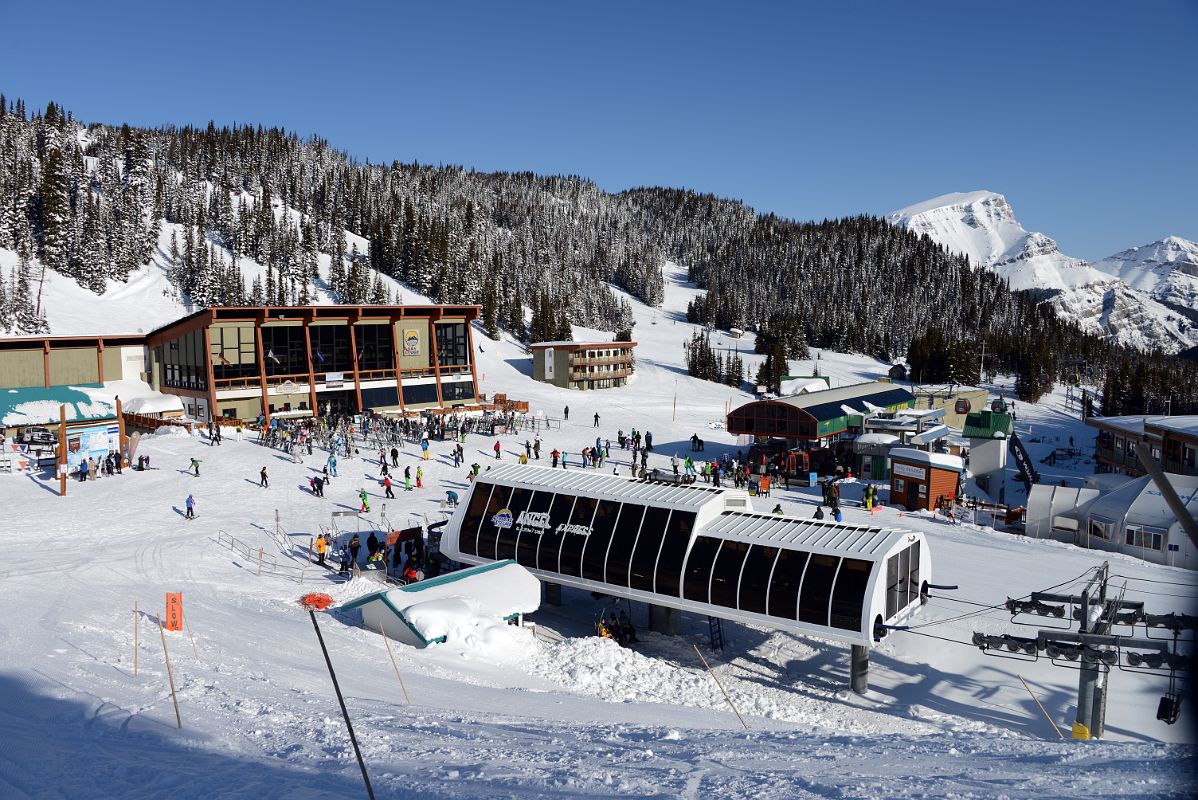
(174, 611)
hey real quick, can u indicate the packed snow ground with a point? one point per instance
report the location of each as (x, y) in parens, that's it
(580, 718)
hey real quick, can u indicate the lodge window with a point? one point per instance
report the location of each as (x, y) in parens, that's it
(331, 347)
(234, 352)
(456, 391)
(594, 554)
(900, 485)
(725, 573)
(415, 394)
(289, 347)
(452, 348)
(583, 515)
(784, 584)
(816, 592)
(648, 546)
(673, 552)
(848, 598)
(376, 344)
(619, 553)
(755, 578)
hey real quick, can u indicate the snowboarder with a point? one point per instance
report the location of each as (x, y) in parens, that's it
(191, 507)
(195, 464)
(263, 480)
(451, 499)
(365, 498)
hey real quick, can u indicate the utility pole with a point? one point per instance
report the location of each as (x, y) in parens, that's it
(1095, 648)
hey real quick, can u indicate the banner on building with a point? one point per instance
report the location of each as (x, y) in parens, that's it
(908, 471)
(411, 342)
(174, 611)
(334, 380)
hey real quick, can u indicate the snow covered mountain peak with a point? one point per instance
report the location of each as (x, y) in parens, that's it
(1136, 297)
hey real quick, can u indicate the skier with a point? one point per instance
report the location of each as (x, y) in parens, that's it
(566, 413)
(496, 449)
(394, 457)
(424, 449)
(263, 480)
(365, 501)
(555, 455)
(674, 463)
(596, 419)
(419, 477)
(195, 464)
(387, 487)
(536, 447)
(322, 547)
(191, 507)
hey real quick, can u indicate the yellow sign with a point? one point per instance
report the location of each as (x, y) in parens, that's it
(411, 342)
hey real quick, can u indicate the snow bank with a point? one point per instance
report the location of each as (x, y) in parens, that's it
(465, 621)
(155, 404)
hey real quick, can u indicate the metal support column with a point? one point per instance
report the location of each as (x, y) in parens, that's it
(553, 593)
(859, 668)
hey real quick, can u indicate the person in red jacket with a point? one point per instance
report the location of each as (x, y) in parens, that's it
(496, 449)
(387, 486)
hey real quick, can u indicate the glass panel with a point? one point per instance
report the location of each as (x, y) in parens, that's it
(893, 603)
(697, 580)
(505, 541)
(673, 552)
(475, 513)
(594, 554)
(817, 589)
(577, 535)
(849, 595)
(784, 584)
(725, 575)
(497, 517)
(913, 579)
(755, 578)
(530, 526)
(551, 539)
(644, 558)
(623, 540)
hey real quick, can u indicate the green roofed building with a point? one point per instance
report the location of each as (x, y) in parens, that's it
(818, 417)
(988, 432)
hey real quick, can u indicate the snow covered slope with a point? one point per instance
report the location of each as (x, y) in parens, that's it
(982, 226)
(582, 718)
(1166, 269)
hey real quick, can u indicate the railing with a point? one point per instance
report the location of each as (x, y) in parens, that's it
(154, 423)
(252, 382)
(265, 563)
(1119, 458)
(598, 376)
(597, 361)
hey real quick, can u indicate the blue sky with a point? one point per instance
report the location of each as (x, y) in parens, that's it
(1084, 114)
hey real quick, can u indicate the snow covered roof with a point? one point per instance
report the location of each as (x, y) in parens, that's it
(578, 345)
(434, 608)
(812, 535)
(859, 398)
(157, 404)
(1140, 502)
(803, 386)
(938, 460)
(1187, 425)
(603, 485)
(38, 405)
(876, 438)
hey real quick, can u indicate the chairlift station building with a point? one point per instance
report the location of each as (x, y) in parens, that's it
(692, 548)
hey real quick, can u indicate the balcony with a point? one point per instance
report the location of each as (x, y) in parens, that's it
(598, 376)
(1119, 458)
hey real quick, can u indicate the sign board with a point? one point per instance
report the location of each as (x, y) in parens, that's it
(96, 441)
(334, 380)
(548, 363)
(174, 611)
(411, 342)
(908, 471)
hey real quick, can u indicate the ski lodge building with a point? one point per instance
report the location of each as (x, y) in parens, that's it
(1171, 441)
(818, 418)
(236, 363)
(582, 365)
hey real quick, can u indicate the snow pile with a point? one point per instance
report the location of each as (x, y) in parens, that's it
(160, 404)
(177, 431)
(464, 621)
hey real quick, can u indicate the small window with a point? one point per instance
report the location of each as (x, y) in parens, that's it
(923, 490)
(900, 485)
(848, 598)
(725, 574)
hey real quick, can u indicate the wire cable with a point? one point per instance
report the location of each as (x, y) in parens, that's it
(1190, 585)
(1003, 604)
